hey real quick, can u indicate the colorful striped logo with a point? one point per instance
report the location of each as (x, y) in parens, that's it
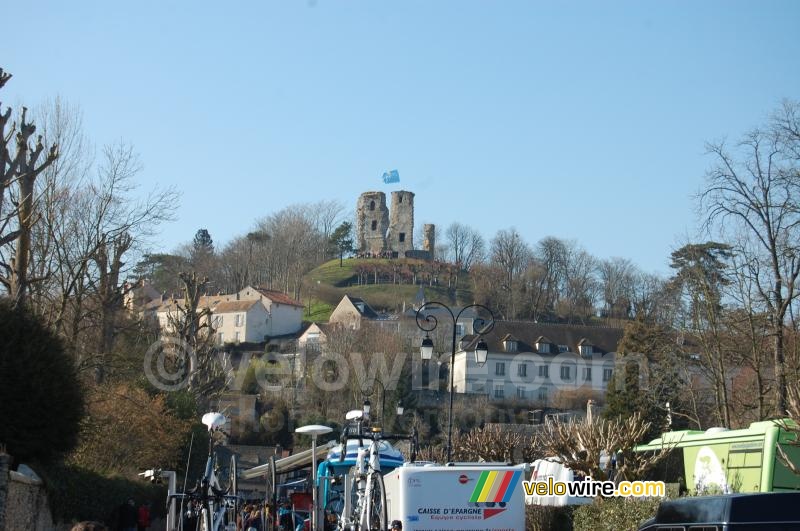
(494, 486)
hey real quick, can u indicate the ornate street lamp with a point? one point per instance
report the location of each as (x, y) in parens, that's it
(428, 323)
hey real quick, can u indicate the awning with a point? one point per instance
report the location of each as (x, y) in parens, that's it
(291, 463)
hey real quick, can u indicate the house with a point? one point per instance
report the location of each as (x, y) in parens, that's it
(138, 295)
(285, 314)
(351, 311)
(252, 315)
(535, 361)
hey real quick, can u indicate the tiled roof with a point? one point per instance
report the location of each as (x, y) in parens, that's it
(278, 297)
(603, 339)
(233, 306)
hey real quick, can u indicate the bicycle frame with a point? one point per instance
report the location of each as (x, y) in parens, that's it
(208, 500)
(365, 477)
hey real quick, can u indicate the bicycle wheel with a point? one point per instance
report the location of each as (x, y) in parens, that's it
(376, 503)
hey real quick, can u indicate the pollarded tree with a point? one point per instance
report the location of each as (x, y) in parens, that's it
(19, 168)
(41, 399)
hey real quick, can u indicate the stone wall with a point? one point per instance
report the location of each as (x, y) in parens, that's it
(400, 237)
(429, 238)
(26, 505)
(372, 222)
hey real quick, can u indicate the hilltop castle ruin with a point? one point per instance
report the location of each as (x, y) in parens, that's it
(381, 231)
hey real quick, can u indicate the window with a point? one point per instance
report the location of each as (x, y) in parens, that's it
(587, 374)
(220, 338)
(607, 374)
(563, 348)
(521, 393)
(499, 392)
(510, 345)
(238, 319)
(542, 395)
(544, 371)
(372, 206)
(543, 348)
(402, 237)
(500, 369)
(237, 336)
(522, 369)
(374, 224)
(586, 350)
(217, 321)
(400, 200)
(566, 372)
(459, 329)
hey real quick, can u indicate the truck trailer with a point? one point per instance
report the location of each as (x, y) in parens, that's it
(458, 497)
(722, 461)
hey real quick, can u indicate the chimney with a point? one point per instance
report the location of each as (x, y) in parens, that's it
(589, 411)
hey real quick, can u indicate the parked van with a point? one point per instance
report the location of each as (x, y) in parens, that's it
(541, 470)
(776, 511)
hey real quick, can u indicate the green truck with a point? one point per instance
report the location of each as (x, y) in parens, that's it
(725, 461)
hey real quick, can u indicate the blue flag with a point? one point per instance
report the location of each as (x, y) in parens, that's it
(391, 177)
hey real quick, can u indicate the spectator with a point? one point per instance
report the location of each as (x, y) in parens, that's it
(143, 520)
(128, 516)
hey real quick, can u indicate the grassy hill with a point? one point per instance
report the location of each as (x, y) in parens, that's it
(328, 283)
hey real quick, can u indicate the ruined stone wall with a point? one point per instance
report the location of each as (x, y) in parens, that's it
(400, 237)
(372, 222)
(26, 505)
(429, 238)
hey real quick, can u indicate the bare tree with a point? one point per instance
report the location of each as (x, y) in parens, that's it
(466, 245)
(512, 255)
(617, 276)
(755, 189)
(18, 173)
(579, 445)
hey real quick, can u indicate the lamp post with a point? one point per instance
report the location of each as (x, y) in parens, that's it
(428, 323)
(314, 430)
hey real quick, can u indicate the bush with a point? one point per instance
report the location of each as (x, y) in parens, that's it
(41, 401)
(615, 514)
(547, 518)
(78, 494)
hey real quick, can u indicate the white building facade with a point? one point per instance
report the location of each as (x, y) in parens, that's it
(535, 362)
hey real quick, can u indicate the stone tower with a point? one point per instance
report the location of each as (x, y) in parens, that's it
(400, 237)
(372, 222)
(429, 239)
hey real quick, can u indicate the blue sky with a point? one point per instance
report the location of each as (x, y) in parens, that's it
(581, 120)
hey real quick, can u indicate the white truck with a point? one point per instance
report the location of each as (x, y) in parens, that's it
(460, 497)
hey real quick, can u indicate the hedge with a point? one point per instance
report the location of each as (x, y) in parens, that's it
(614, 514)
(78, 494)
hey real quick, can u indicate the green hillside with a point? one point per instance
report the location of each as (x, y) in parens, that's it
(328, 283)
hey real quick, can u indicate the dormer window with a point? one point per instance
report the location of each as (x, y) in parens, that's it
(360, 306)
(543, 345)
(586, 350)
(563, 348)
(510, 345)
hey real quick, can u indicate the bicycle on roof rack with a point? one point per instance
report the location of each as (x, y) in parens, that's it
(213, 504)
(364, 507)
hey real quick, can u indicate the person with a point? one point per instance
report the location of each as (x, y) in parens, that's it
(128, 516)
(143, 520)
(397, 525)
(253, 523)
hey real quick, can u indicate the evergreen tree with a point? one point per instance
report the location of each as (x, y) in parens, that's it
(342, 240)
(646, 355)
(41, 399)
